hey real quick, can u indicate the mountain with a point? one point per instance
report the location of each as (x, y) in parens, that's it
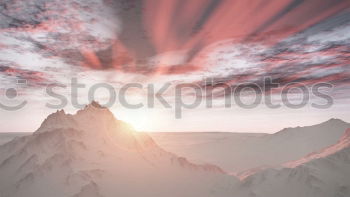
(6, 137)
(343, 143)
(239, 152)
(93, 154)
(321, 174)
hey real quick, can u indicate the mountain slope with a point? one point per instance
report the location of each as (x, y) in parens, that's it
(238, 152)
(322, 174)
(6, 137)
(93, 154)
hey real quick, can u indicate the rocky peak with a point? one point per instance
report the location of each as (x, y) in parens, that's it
(96, 123)
(96, 105)
(92, 116)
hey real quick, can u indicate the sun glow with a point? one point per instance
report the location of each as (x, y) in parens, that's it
(140, 120)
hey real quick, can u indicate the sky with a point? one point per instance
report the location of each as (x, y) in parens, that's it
(217, 46)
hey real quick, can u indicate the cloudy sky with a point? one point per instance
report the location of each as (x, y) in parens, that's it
(47, 43)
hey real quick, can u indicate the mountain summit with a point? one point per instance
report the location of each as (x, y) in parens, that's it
(92, 114)
(97, 122)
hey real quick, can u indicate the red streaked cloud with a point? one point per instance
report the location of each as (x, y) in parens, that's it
(229, 41)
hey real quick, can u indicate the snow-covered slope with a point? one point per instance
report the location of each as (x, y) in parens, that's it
(6, 137)
(322, 174)
(238, 152)
(93, 154)
(343, 143)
